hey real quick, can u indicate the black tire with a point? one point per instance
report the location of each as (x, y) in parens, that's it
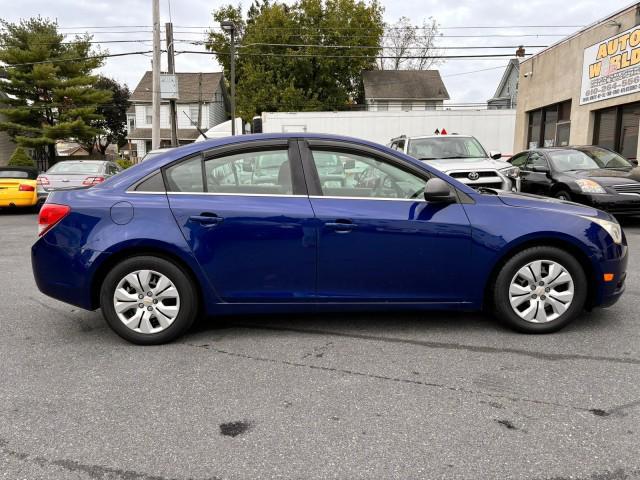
(563, 195)
(502, 306)
(186, 289)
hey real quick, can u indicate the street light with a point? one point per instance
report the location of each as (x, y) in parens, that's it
(230, 27)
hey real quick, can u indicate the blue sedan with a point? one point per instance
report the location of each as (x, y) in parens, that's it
(297, 222)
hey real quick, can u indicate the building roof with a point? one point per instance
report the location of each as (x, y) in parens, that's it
(404, 84)
(514, 63)
(165, 134)
(188, 87)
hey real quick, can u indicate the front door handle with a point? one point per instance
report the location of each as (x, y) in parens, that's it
(206, 219)
(341, 225)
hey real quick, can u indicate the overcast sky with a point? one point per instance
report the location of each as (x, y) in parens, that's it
(553, 19)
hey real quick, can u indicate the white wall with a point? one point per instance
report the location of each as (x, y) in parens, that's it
(493, 128)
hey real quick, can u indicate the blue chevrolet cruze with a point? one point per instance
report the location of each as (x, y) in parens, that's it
(297, 222)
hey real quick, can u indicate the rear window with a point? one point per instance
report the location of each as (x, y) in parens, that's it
(76, 167)
(18, 174)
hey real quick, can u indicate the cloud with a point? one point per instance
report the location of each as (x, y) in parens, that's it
(477, 87)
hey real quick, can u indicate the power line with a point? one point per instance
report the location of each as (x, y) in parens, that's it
(434, 47)
(77, 59)
(380, 57)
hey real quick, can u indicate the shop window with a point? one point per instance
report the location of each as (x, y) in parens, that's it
(616, 128)
(549, 126)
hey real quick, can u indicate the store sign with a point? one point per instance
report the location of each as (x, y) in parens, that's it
(612, 67)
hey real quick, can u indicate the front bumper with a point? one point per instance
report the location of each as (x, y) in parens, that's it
(608, 293)
(616, 204)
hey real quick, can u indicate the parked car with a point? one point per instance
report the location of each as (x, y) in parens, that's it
(461, 157)
(154, 153)
(74, 173)
(164, 240)
(590, 175)
(18, 187)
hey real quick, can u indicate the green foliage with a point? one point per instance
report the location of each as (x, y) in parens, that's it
(20, 158)
(53, 94)
(317, 78)
(124, 163)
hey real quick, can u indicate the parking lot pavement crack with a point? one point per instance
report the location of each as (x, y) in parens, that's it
(448, 346)
(97, 472)
(386, 378)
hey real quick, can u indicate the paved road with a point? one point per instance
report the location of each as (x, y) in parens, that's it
(357, 396)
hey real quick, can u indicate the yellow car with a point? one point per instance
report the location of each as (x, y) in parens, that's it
(18, 187)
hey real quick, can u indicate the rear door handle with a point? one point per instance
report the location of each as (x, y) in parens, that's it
(341, 225)
(206, 219)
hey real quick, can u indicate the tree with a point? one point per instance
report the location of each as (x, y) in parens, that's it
(19, 158)
(307, 55)
(409, 48)
(52, 93)
(112, 126)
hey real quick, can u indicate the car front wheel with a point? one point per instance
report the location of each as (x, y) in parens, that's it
(540, 290)
(148, 300)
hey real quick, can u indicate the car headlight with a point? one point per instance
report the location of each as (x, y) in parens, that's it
(612, 228)
(511, 172)
(589, 186)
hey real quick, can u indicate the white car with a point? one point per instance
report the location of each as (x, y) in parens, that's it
(463, 158)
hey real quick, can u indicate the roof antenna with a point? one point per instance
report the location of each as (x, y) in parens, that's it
(196, 125)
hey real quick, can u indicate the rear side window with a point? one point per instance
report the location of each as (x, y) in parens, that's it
(152, 184)
(265, 172)
(185, 176)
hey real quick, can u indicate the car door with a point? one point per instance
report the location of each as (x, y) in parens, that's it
(535, 176)
(254, 237)
(378, 239)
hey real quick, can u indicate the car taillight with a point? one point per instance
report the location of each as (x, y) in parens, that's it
(42, 181)
(50, 214)
(90, 181)
(26, 188)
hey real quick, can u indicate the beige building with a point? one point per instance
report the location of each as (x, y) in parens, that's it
(585, 89)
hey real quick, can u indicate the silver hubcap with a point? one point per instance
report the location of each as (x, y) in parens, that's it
(146, 301)
(541, 291)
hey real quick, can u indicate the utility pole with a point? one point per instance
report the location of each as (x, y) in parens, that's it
(173, 111)
(231, 28)
(155, 83)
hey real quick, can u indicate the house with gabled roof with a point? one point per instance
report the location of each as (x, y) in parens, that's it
(506, 95)
(202, 102)
(404, 90)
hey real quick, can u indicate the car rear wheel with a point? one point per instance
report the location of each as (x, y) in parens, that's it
(148, 300)
(563, 195)
(540, 290)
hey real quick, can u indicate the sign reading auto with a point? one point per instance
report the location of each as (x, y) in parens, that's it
(612, 67)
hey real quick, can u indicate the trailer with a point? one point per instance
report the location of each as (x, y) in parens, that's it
(495, 129)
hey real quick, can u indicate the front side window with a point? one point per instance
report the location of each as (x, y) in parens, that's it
(536, 160)
(519, 160)
(361, 176)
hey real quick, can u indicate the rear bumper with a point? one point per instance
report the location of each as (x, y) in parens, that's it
(18, 199)
(65, 274)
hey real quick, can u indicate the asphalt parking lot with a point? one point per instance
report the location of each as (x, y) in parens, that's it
(332, 396)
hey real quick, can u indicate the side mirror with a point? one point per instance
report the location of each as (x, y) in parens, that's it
(495, 154)
(437, 190)
(349, 164)
(540, 169)
(634, 162)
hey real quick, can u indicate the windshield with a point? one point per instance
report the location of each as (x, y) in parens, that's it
(16, 174)
(76, 167)
(591, 159)
(437, 148)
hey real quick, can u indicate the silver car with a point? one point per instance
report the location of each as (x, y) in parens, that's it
(463, 158)
(74, 174)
